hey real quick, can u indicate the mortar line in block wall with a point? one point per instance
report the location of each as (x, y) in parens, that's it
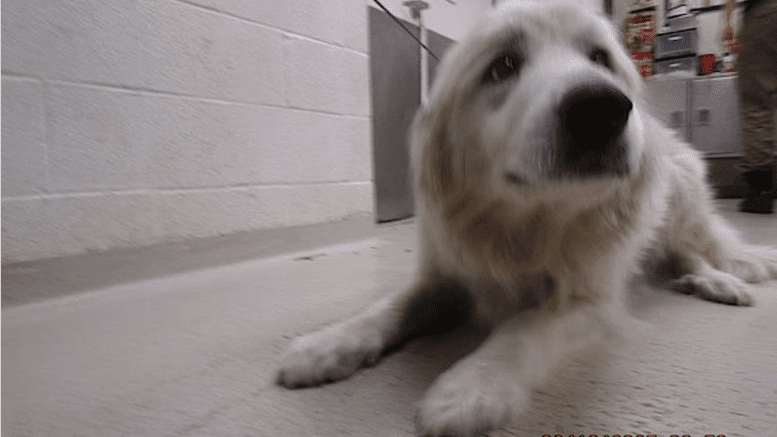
(293, 35)
(14, 75)
(150, 91)
(286, 32)
(174, 191)
(44, 129)
(48, 135)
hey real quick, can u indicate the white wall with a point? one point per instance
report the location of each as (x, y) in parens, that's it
(451, 20)
(593, 5)
(130, 122)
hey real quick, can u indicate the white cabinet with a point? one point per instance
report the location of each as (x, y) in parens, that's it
(703, 110)
(715, 116)
(669, 102)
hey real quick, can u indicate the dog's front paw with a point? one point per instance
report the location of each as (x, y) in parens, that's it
(718, 287)
(467, 402)
(326, 356)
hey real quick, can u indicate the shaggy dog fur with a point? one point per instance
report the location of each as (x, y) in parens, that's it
(542, 185)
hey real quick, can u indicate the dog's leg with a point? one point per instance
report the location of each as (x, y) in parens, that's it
(747, 262)
(715, 264)
(338, 351)
(754, 263)
(725, 283)
(709, 283)
(709, 256)
(488, 387)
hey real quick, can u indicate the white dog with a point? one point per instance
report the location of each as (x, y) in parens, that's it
(541, 186)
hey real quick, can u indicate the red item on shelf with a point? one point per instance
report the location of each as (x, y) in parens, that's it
(707, 63)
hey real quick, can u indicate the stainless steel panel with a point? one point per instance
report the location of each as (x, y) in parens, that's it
(715, 116)
(676, 43)
(396, 94)
(687, 63)
(683, 22)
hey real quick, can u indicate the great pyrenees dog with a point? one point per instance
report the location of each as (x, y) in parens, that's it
(542, 185)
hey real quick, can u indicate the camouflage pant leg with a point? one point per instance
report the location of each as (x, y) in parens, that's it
(757, 65)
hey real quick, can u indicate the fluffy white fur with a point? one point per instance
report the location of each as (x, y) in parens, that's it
(539, 259)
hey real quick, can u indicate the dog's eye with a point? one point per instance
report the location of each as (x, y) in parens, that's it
(601, 57)
(502, 68)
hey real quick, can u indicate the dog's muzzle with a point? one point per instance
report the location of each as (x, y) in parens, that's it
(589, 132)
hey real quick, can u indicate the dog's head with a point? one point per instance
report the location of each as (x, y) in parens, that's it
(536, 100)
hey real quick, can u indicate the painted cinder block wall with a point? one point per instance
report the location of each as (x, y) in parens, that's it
(132, 122)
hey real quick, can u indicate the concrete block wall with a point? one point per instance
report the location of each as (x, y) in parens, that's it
(132, 122)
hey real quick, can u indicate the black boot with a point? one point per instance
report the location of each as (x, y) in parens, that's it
(759, 197)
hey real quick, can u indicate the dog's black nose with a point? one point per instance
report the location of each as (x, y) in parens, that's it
(590, 124)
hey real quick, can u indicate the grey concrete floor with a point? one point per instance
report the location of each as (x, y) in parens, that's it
(193, 353)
